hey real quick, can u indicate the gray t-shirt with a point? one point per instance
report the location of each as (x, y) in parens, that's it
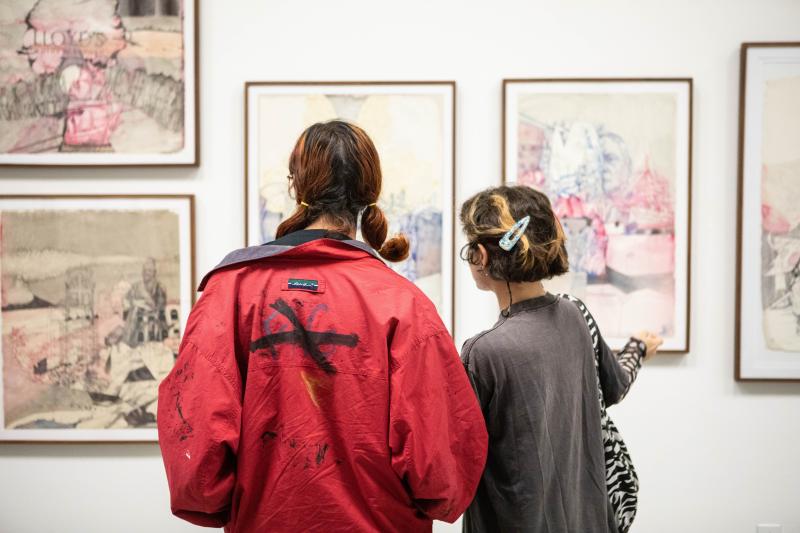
(535, 377)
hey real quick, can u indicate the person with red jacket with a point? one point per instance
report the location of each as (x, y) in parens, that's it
(315, 388)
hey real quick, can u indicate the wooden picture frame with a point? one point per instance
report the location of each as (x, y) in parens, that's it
(96, 293)
(152, 118)
(580, 109)
(768, 217)
(439, 95)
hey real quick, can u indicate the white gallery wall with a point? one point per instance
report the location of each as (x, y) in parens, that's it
(713, 455)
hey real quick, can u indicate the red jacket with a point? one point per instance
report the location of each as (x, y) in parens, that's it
(316, 390)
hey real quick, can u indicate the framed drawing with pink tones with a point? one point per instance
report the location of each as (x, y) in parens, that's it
(413, 127)
(614, 156)
(98, 83)
(95, 293)
(768, 273)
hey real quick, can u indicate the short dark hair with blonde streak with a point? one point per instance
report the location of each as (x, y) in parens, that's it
(540, 253)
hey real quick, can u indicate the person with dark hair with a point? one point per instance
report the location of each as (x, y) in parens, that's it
(535, 375)
(316, 389)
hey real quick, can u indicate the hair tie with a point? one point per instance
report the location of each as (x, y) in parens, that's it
(304, 204)
(513, 235)
(374, 204)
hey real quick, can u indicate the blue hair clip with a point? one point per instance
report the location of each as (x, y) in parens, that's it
(512, 236)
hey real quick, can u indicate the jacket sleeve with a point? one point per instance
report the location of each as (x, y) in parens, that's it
(199, 412)
(437, 435)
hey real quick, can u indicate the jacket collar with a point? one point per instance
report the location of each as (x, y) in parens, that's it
(324, 248)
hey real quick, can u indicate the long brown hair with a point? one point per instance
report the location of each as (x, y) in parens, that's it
(335, 172)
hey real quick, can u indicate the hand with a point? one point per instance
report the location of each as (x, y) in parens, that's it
(651, 341)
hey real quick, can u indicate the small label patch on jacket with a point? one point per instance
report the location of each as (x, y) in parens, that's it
(309, 285)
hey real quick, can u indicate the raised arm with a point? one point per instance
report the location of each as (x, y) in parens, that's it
(617, 371)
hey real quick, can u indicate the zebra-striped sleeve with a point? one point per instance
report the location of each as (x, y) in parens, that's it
(630, 359)
(617, 371)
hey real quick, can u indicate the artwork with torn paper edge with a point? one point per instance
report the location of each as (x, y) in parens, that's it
(411, 125)
(614, 158)
(95, 295)
(98, 82)
(768, 342)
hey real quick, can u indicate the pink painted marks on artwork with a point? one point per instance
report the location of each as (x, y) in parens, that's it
(574, 207)
(641, 254)
(26, 350)
(78, 41)
(773, 221)
(53, 37)
(585, 229)
(66, 23)
(92, 115)
(649, 201)
(16, 370)
(531, 141)
(47, 60)
(17, 341)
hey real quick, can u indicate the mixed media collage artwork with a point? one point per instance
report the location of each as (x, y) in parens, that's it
(768, 295)
(411, 125)
(614, 158)
(94, 295)
(86, 82)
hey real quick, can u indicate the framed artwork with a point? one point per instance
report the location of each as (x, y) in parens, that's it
(412, 125)
(99, 83)
(768, 271)
(95, 293)
(614, 156)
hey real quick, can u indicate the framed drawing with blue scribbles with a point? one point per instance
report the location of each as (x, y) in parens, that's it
(614, 156)
(98, 83)
(95, 293)
(767, 339)
(412, 126)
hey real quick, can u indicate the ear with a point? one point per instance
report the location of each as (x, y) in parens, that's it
(291, 182)
(483, 256)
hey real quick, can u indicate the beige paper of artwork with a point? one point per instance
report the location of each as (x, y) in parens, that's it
(92, 77)
(91, 307)
(407, 132)
(608, 163)
(780, 190)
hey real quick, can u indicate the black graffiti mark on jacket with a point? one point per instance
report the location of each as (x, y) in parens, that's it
(322, 449)
(309, 341)
(185, 430)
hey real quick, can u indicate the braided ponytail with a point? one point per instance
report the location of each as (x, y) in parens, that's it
(374, 228)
